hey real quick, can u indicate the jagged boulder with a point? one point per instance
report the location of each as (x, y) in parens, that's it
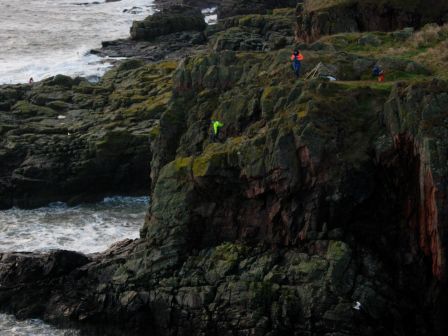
(169, 20)
(254, 32)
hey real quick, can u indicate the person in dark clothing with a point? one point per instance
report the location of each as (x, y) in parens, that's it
(378, 73)
(296, 59)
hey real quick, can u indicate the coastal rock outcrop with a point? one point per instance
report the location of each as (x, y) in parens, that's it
(172, 33)
(254, 32)
(281, 228)
(320, 210)
(167, 21)
(269, 189)
(69, 140)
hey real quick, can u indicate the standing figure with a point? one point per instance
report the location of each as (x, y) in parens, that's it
(31, 81)
(216, 127)
(378, 72)
(296, 59)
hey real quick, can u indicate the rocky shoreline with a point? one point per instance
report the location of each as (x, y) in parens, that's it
(322, 211)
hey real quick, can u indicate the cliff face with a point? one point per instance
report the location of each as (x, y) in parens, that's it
(326, 17)
(319, 195)
(424, 106)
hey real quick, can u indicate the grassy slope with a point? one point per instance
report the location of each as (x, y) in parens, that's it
(409, 5)
(429, 47)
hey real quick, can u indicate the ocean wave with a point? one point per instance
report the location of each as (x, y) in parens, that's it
(86, 228)
(43, 38)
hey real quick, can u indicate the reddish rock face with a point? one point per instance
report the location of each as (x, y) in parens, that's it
(422, 208)
(423, 151)
(430, 240)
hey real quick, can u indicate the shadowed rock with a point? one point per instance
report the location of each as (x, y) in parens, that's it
(171, 20)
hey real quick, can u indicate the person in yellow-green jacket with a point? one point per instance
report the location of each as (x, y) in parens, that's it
(216, 127)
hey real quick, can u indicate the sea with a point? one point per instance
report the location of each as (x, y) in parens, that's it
(86, 228)
(41, 38)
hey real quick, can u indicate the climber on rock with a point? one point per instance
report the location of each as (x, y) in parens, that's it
(216, 127)
(296, 59)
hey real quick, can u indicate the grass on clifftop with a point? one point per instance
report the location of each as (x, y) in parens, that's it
(428, 47)
(404, 5)
(316, 5)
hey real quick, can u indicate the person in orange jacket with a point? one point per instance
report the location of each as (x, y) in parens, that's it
(296, 59)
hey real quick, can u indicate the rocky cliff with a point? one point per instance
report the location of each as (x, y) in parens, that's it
(321, 210)
(327, 17)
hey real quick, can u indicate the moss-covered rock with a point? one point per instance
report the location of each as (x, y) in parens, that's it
(27, 109)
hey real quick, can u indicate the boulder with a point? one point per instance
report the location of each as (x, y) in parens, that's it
(169, 20)
(254, 32)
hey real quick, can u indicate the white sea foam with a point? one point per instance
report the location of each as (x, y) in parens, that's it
(211, 16)
(84, 228)
(9, 326)
(41, 38)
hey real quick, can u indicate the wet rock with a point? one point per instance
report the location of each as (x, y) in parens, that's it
(172, 33)
(172, 46)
